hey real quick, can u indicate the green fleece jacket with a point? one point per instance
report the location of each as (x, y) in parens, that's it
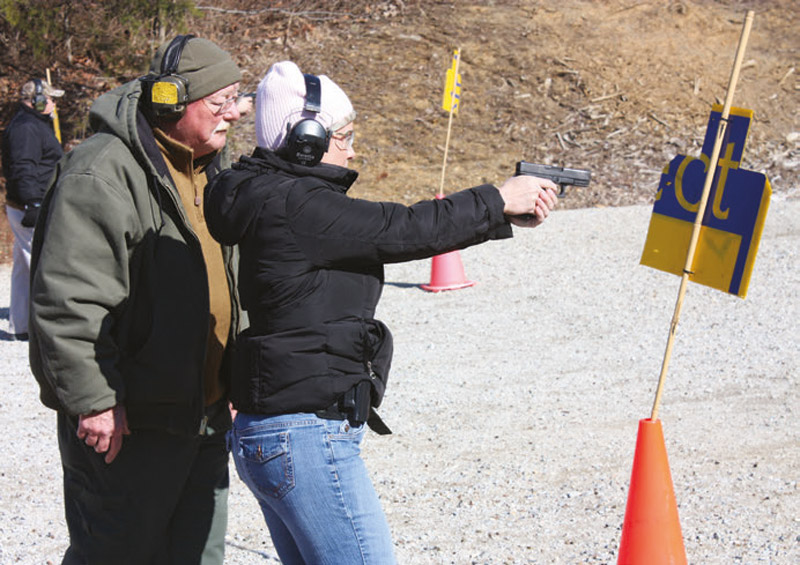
(119, 290)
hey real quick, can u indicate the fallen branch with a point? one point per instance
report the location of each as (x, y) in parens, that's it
(606, 97)
(318, 15)
(660, 121)
(787, 75)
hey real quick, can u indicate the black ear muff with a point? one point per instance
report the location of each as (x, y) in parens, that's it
(168, 93)
(39, 99)
(308, 139)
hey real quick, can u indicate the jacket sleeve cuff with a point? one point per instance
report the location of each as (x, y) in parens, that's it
(500, 227)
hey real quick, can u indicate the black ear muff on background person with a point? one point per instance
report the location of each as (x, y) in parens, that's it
(39, 99)
(307, 141)
(167, 93)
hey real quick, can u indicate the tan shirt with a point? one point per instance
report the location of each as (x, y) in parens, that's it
(190, 180)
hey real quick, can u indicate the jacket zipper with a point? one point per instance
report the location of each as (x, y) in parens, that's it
(188, 227)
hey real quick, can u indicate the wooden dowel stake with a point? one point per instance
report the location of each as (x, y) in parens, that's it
(712, 167)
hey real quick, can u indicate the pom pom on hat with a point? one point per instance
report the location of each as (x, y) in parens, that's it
(280, 99)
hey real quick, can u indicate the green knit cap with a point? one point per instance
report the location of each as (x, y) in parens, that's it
(206, 67)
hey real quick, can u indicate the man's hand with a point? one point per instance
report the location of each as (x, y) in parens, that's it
(528, 200)
(233, 411)
(104, 430)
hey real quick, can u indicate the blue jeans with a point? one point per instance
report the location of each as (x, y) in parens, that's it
(313, 488)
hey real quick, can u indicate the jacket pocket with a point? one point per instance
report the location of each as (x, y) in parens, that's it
(362, 347)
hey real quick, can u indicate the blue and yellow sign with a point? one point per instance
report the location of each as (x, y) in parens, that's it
(734, 216)
(451, 99)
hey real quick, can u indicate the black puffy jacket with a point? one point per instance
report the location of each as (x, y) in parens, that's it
(30, 153)
(311, 274)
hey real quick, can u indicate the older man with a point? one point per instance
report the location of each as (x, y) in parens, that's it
(30, 153)
(132, 309)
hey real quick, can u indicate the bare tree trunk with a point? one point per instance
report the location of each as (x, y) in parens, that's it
(68, 35)
(68, 47)
(162, 27)
(12, 48)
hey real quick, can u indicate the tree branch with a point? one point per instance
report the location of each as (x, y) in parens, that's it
(318, 15)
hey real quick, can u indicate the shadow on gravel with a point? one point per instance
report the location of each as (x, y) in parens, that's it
(5, 336)
(401, 284)
(263, 554)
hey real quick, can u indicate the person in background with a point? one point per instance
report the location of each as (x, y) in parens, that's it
(30, 153)
(133, 305)
(313, 365)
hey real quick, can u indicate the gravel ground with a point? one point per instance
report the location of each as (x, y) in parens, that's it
(515, 406)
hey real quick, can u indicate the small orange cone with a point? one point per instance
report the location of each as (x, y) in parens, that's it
(651, 532)
(447, 273)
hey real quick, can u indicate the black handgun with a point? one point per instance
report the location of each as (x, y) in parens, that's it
(562, 176)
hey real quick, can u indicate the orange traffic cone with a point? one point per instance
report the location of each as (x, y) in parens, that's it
(651, 532)
(447, 273)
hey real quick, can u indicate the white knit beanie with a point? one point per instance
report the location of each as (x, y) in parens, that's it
(280, 99)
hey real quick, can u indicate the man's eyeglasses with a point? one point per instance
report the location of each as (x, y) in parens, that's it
(219, 108)
(345, 139)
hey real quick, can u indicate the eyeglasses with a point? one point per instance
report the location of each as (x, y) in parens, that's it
(346, 139)
(219, 108)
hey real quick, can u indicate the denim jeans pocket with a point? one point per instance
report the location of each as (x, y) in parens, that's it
(265, 462)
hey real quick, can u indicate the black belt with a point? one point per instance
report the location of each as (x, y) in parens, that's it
(333, 412)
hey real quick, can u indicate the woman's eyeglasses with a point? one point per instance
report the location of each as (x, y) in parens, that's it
(345, 140)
